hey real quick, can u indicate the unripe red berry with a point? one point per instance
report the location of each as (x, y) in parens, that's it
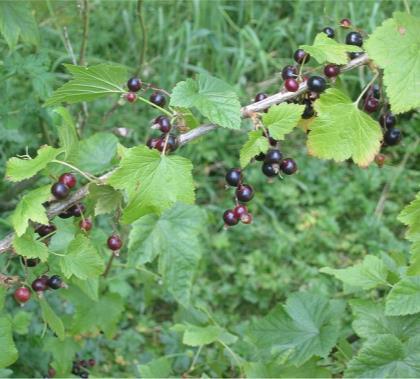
(114, 242)
(291, 85)
(85, 224)
(22, 294)
(130, 97)
(68, 179)
(345, 23)
(331, 70)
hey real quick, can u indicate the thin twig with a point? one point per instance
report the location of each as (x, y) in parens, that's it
(139, 14)
(83, 46)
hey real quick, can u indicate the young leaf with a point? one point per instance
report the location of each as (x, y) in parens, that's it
(307, 325)
(63, 352)
(178, 258)
(8, 351)
(256, 144)
(106, 198)
(16, 20)
(18, 169)
(90, 83)
(213, 98)
(371, 273)
(404, 298)
(82, 259)
(327, 49)
(30, 208)
(342, 131)
(154, 182)
(281, 119)
(401, 35)
(52, 320)
(66, 131)
(27, 246)
(386, 357)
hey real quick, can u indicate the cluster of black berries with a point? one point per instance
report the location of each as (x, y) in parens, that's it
(243, 194)
(273, 163)
(135, 84)
(39, 285)
(61, 189)
(166, 141)
(80, 367)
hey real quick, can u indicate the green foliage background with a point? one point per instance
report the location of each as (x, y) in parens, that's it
(327, 215)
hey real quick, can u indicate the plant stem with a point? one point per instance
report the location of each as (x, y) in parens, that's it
(109, 265)
(366, 88)
(142, 55)
(154, 105)
(84, 174)
(85, 14)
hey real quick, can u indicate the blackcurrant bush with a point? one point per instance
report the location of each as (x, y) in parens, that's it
(85, 224)
(260, 96)
(354, 38)
(316, 84)
(30, 262)
(240, 210)
(345, 23)
(229, 217)
(331, 70)
(134, 84)
(371, 105)
(44, 230)
(329, 32)
(158, 99)
(260, 157)
(392, 136)
(288, 166)
(22, 294)
(60, 191)
(291, 85)
(164, 124)
(39, 285)
(233, 177)
(270, 169)
(300, 56)
(309, 110)
(55, 282)
(68, 179)
(289, 72)
(273, 156)
(244, 193)
(131, 97)
(387, 120)
(114, 242)
(355, 55)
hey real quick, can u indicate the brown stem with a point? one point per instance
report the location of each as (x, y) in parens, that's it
(109, 265)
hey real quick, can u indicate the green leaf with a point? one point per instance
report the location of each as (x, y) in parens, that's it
(18, 169)
(106, 198)
(157, 368)
(404, 298)
(281, 119)
(16, 20)
(410, 216)
(82, 259)
(201, 335)
(153, 182)
(95, 154)
(371, 273)
(386, 357)
(371, 322)
(329, 50)
(178, 257)
(21, 322)
(2, 296)
(89, 286)
(308, 325)
(66, 131)
(29, 247)
(8, 351)
(90, 83)
(342, 131)
(256, 144)
(401, 36)
(66, 230)
(30, 208)
(212, 97)
(52, 320)
(63, 352)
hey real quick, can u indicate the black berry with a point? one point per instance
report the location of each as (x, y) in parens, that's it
(270, 169)
(164, 124)
(39, 285)
(240, 210)
(309, 110)
(44, 230)
(55, 282)
(291, 85)
(30, 262)
(376, 91)
(158, 99)
(387, 120)
(392, 136)
(300, 56)
(288, 166)
(316, 84)
(260, 157)
(273, 156)
(355, 55)
(331, 70)
(244, 193)
(76, 210)
(229, 218)
(233, 177)
(66, 214)
(134, 84)
(68, 179)
(172, 143)
(60, 190)
(260, 96)
(114, 242)
(329, 32)
(371, 105)
(354, 38)
(288, 72)
(152, 142)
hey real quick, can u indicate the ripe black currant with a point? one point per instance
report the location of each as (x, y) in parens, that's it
(233, 177)
(345, 23)
(229, 217)
(288, 166)
(331, 70)
(329, 32)
(134, 84)
(172, 143)
(44, 230)
(270, 169)
(114, 242)
(392, 136)
(68, 179)
(260, 157)
(164, 124)
(309, 110)
(39, 285)
(316, 84)
(260, 96)
(289, 72)
(291, 85)
(355, 55)
(354, 38)
(76, 210)
(300, 56)
(244, 193)
(273, 156)
(22, 294)
(376, 91)
(30, 262)
(158, 99)
(130, 97)
(55, 282)
(60, 190)
(371, 105)
(152, 142)
(387, 120)
(66, 214)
